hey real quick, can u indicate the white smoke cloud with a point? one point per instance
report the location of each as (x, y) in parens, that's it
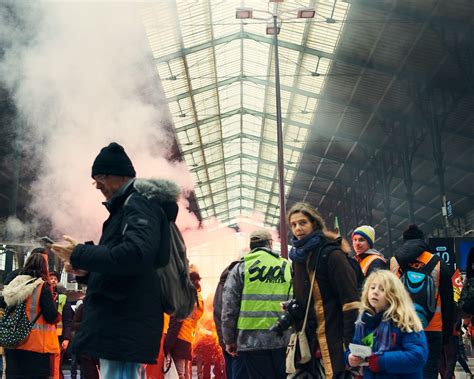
(81, 76)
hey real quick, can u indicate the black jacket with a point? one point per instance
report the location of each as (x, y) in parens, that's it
(123, 315)
(410, 250)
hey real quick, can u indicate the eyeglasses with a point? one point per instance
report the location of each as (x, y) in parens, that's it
(99, 179)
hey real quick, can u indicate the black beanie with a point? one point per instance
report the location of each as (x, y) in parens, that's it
(413, 233)
(113, 160)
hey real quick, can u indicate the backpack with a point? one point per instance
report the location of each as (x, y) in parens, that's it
(421, 282)
(178, 294)
(327, 248)
(466, 301)
(15, 327)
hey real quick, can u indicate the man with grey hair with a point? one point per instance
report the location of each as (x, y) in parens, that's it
(251, 301)
(123, 313)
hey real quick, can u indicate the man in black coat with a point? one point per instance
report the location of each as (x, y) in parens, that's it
(123, 315)
(440, 329)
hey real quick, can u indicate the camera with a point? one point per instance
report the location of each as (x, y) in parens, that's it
(292, 312)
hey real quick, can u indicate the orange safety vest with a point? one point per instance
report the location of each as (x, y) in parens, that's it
(436, 323)
(367, 261)
(188, 327)
(43, 337)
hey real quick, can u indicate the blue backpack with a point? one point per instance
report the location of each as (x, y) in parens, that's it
(421, 280)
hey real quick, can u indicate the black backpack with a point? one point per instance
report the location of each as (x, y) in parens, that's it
(178, 294)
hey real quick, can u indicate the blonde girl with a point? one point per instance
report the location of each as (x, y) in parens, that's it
(388, 324)
(334, 297)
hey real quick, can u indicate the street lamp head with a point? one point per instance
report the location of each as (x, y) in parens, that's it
(271, 29)
(243, 13)
(306, 13)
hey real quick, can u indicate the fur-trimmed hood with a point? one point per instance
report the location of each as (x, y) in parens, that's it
(20, 288)
(165, 192)
(161, 189)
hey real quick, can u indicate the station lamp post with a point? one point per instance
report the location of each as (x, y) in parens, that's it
(274, 20)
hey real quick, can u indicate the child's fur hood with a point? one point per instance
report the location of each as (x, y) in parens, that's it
(163, 190)
(20, 288)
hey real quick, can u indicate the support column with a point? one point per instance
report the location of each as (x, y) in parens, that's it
(386, 203)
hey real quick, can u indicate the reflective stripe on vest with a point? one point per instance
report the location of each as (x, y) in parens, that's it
(61, 302)
(43, 337)
(436, 323)
(267, 283)
(367, 261)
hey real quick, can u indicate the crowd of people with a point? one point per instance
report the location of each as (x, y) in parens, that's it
(330, 311)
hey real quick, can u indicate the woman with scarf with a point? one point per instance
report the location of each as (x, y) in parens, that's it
(31, 359)
(318, 253)
(389, 325)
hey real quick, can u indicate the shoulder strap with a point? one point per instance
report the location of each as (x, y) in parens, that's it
(430, 266)
(367, 261)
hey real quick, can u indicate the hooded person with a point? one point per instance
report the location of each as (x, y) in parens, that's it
(415, 255)
(123, 314)
(370, 259)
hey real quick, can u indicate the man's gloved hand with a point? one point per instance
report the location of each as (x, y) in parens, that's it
(374, 365)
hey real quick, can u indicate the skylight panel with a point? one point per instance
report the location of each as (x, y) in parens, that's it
(220, 197)
(261, 207)
(261, 196)
(221, 208)
(250, 147)
(206, 103)
(248, 179)
(210, 132)
(252, 125)
(223, 24)
(201, 68)
(267, 169)
(213, 153)
(228, 60)
(234, 192)
(293, 31)
(270, 131)
(232, 166)
(247, 203)
(253, 95)
(233, 181)
(255, 53)
(250, 165)
(230, 126)
(194, 22)
(229, 98)
(231, 147)
(161, 36)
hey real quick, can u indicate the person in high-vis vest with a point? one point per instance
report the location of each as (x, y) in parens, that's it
(416, 253)
(31, 359)
(251, 304)
(63, 327)
(370, 259)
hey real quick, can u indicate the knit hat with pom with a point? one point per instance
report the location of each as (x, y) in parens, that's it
(367, 232)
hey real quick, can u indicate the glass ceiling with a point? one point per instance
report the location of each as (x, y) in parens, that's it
(218, 76)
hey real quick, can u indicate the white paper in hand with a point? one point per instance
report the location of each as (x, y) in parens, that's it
(360, 350)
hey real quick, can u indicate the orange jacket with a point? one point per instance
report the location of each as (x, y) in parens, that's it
(43, 337)
(188, 327)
